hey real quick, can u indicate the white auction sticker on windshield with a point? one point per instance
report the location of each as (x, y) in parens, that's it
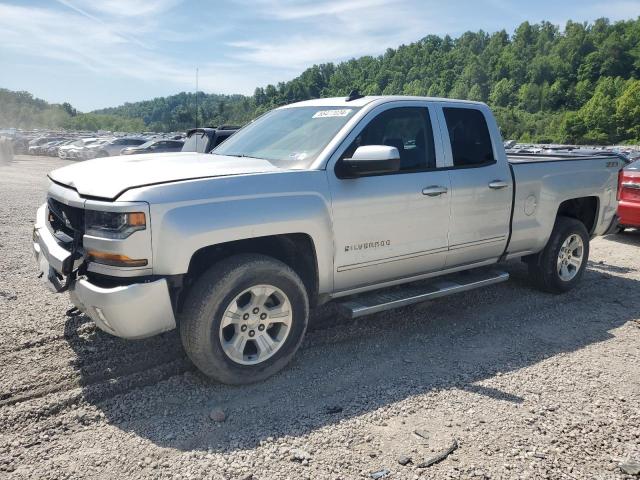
(332, 113)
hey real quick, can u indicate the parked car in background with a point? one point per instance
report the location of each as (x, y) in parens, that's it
(42, 144)
(53, 150)
(50, 147)
(91, 150)
(71, 151)
(114, 146)
(629, 196)
(203, 140)
(155, 146)
(77, 153)
(40, 140)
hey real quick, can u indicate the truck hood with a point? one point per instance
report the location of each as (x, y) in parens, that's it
(110, 176)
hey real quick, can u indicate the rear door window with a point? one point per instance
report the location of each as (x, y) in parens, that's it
(469, 136)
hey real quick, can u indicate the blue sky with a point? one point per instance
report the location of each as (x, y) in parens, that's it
(99, 53)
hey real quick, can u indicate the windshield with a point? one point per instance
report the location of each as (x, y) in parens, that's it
(289, 137)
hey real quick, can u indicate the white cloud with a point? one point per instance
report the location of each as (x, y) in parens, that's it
(127, 8)
(337, 30)
(295, 10)
(81, 41)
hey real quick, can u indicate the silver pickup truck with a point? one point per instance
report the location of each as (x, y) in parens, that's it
(356, 200)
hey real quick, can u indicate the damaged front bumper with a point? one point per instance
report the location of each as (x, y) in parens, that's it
(134, 310)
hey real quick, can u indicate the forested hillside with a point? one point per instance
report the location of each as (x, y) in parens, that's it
(22, 110)
(177, 112)
(579, 85)
(576, 85)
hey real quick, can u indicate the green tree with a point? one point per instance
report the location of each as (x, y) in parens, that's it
(503, 93)
(628, 111)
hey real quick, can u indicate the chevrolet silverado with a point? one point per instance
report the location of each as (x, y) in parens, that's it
(360, 200)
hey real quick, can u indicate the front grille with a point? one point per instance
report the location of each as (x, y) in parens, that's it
(66, 219)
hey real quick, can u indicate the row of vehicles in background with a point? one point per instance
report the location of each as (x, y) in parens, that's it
(627, 154)
(85, 147)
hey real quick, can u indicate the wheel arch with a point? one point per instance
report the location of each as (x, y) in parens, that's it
(584, 209)
(297, 250)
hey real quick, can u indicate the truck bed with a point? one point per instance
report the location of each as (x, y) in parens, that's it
(516, 158)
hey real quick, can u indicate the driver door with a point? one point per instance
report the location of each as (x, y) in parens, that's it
(392, 225)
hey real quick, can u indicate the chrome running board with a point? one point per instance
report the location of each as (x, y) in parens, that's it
(379, 301)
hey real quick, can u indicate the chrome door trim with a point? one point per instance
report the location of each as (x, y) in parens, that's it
(484, 241)
(406, 256)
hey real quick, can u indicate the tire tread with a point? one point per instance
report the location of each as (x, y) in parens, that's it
(542, 267)
(198, 306)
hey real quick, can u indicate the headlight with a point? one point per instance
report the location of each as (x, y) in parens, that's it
(113, 224)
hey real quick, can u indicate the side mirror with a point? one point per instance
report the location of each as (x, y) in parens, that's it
(371, 160)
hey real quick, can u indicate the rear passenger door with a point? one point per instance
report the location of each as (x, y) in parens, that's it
(481, 185)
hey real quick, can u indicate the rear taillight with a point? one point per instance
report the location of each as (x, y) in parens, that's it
(629, 186)
(620, 177)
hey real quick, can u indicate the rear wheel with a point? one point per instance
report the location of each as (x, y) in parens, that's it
(560, 266)
(244, 319)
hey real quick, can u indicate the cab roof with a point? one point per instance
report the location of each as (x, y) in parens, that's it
(361, 102)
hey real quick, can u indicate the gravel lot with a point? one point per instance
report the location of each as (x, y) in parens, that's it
(530, 385)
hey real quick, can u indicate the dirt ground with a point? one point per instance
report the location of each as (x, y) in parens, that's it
(530, 385)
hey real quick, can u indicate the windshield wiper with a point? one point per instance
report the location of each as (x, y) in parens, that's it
(242, 155)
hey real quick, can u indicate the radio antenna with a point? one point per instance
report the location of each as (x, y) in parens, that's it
(195, 133)
(196, 97)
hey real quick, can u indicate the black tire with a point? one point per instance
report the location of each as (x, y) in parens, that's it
(543, 266)
(620, 230)
(207, 301)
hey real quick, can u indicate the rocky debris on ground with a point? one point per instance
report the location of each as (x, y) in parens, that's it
(332, 409)
(632, 467)
(379, 474)
(217, 415)
(441, 455)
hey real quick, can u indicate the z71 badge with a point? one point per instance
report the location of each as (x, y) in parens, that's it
(365, 246)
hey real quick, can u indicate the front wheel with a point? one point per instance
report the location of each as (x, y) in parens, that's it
(244, 319)
(560, 266)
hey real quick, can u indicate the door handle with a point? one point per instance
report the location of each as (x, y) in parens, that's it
(434, 190)
(498, 184)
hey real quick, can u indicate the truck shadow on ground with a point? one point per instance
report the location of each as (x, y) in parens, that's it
(346, 368)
